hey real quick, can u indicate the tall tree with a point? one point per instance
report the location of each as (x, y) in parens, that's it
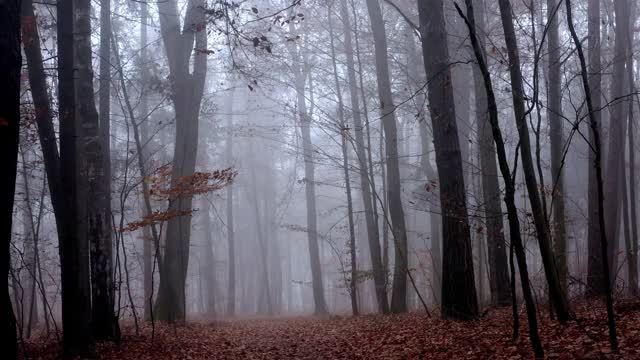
(300, 72)
(187, 88)
(554, 116)
(594, 266)
(74, 252)
(596, 148)
(509, 180)
(96, 140)
(496, 244)
(343, 129)
(373, 232)
(617, 128)
(231, 288)
(11, 62)
(458, 285)
(556, 292)
(394, 191)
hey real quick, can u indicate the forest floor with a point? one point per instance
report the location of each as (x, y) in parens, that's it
(405, 336)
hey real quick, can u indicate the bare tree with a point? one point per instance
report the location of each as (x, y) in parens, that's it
(458, 284)
(557, 294)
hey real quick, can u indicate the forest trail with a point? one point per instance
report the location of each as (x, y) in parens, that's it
(405, 336)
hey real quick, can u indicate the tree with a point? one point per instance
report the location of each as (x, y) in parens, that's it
(557, 294)
(300, 72)
(343, 130)
(615, 153)
(554, 116)
(187, 89)
(373, 232)
(11, 62)
(231, 295)
(74, 252)
(458, 285)
(496, 244)
(509, 180)
(394, 191)
(96, 140)
(594, 268)
(596, 148)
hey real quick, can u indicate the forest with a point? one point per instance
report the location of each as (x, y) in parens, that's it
(319, 179)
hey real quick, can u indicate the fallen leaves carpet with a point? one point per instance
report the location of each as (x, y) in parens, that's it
(405, 336)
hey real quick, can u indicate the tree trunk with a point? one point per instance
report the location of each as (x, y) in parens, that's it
(300, 73)
(343, 129)
(458, 285)
(187, 89)
(11, 62)
(394, 190)
(148, 241)
(231, 288)
(509, 199)
(615, 153)
(74, 251)
(594, 266)
(373, 233)
(556, 292)
(555, 118)
(596, 149)
(496, 243)
(633, 249)
(96, 140)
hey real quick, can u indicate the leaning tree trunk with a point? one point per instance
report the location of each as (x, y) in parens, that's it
(556, 292)
(187, 89)
(597, 164)
(594, 265)
(509, 198)
(11, 63)
(394, 191)
(496, 244)
(74, 252)
(373, 233)
(458, 285)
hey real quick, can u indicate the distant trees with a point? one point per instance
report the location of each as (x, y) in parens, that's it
(11, 63)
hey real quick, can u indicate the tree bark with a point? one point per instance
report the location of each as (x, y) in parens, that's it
(74, 251)
(555, 118)
(394, 190)
(556, 292)
(459, 299)
(11, 62)
(97, 150)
